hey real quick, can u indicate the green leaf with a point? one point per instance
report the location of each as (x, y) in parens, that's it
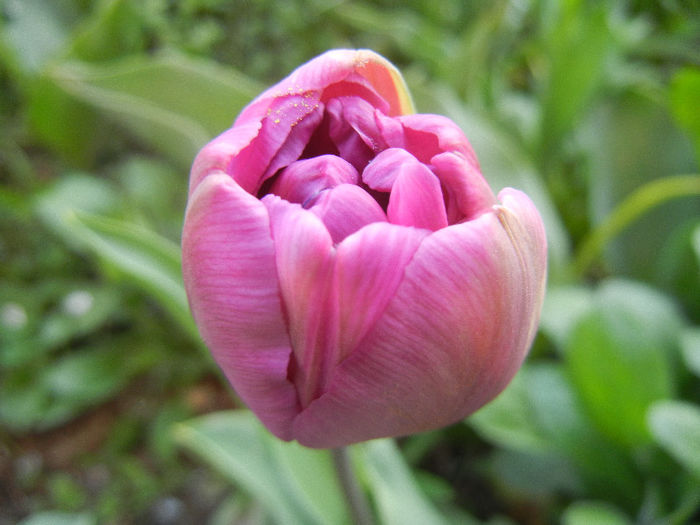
(150, 260)
(74, 191)
(633, 137)
(172, 103)
(294, 484)
(115, 28)
(508, 421)
(675, 426)
(593, 513)
(690, 348)
(392, 485)
(36, 30)
(685, 100)
(577, 49)
(563, 307)
(539, 414)
(619, 358)
(59, 518)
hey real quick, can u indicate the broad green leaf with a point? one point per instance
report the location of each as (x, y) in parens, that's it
(563, 307)
(675, 426)
(398, 500)
(115, 28)
(48, 395)
(690, 348)
(75, 192)
(150, 260)
(633, 141)
(593, 513)
(619, 358)
(172, 103)
(59, 518)
(540, 415)
(509, 421)
(280, 476)
(685, 100)
(36, 30)
(578, 48)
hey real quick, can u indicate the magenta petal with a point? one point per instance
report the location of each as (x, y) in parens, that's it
(468, 193)
(217, 154)
(304, 179)
(230, 275)
(340, 72)
(416, 198)
(304, 259)
(433, 358)
(284, 133)
(345, 209)
(381, 173)
(428, 135)
(369, 267)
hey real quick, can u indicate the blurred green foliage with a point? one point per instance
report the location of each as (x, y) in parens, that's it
(590, 107)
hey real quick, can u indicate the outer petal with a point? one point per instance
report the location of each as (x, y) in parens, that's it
(370, 265)
(231, 280)
(304, 256)
(336, 67)
(217, 155)
(436, 354)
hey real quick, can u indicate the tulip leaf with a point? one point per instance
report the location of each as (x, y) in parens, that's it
(690, 346)
(619, 358)
(294, 484)
(59, 518)
(685, 99)
(563, 307)
(539, 414)
(395, 490)
(150, 260)
(593, 513)
(675, 426)
(172, 103)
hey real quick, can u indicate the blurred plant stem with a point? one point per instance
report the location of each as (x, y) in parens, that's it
(358, 505)
(636, 204)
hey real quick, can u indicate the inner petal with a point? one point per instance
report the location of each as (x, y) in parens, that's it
(304, 257)
(416, 198)
(302, 181)
(345, 209)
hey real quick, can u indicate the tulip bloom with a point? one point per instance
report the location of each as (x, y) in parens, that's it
(348, 265)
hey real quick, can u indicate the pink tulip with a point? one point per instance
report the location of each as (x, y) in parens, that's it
(348, 265)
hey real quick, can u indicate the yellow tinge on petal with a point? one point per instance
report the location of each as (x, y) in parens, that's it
(386, 79)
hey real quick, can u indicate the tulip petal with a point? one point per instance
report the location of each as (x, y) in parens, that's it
(428, 135)
(303, 180)
(441, 347)
(231, 280)
(347, 71)
(284, 133)
(381, 173)
(468, 193)
(369, 268)
(304, 256)
(345, 209)
(416, 198)
(217, 154)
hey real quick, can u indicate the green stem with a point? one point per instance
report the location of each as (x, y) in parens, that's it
(639, 202)
(360, 513)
